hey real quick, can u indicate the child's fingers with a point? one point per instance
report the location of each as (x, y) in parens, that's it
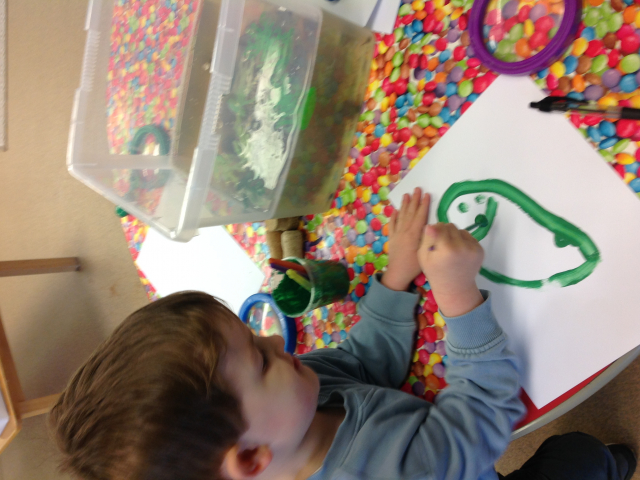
(467, 237)
(435, 235)
(409, 208)
(423, 209)
(471, 241)
(429, 238)
(406, 199)
(456, 234)
(392, 222)
(415, 202)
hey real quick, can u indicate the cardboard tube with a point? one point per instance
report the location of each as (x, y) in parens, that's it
(293, 244)
(274, 242)
(282, 224)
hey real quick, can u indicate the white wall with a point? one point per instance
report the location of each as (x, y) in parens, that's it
(53, 322)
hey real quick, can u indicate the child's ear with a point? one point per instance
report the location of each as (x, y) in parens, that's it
(241, 463)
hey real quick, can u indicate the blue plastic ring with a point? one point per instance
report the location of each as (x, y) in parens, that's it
(287, 324)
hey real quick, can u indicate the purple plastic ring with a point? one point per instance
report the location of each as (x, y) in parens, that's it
(541, 60)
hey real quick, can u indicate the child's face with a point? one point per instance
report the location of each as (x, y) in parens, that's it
(279, 395)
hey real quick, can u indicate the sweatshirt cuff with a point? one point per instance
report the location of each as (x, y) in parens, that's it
(474, 329)
(387, 303)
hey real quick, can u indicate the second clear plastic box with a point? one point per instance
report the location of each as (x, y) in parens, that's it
(194, 113)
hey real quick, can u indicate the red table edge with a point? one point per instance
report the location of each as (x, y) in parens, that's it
(538, 417)
(533, 412)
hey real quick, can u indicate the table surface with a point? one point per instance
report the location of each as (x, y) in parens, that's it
(423, 77)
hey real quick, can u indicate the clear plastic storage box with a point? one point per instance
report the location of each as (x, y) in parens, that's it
(194, 113)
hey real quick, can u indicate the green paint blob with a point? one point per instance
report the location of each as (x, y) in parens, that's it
(480, 199)
(463, 207)
(565, 233)
(480, 221)
(561, 241)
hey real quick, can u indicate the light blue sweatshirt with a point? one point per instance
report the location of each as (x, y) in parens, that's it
(390, 435)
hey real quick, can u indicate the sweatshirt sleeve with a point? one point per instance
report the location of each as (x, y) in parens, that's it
(379, 347)
(461, 435)
(473, 417)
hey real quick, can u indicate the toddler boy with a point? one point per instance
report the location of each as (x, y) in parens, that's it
(183, 390)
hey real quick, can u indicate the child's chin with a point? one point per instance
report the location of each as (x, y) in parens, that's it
(314, 380)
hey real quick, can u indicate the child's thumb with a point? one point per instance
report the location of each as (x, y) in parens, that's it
(430, 237)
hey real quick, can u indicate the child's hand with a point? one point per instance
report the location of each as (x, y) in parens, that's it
(405, 230)
(450, 259)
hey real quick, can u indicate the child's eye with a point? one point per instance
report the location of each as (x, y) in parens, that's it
(265, 362)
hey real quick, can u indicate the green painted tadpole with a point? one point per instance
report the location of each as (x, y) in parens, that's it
(565, 233)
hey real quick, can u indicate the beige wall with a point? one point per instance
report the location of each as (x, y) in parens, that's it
(53, 321)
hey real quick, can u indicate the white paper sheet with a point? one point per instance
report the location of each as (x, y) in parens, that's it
(356, 11)
(378, 15)
(384, 16)
(563, 335)
(211, 262)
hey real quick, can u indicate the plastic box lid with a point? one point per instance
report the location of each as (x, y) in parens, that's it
(188, 112)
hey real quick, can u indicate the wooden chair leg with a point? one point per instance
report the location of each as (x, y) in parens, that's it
(35, 267)
(37, 406)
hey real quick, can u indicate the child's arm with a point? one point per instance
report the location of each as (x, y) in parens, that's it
(473, 417)
(378, 349)
(468, 427)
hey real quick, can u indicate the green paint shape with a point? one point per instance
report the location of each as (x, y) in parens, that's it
(309, 107)
(565, 233)
(481, 199)
(463, 207)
